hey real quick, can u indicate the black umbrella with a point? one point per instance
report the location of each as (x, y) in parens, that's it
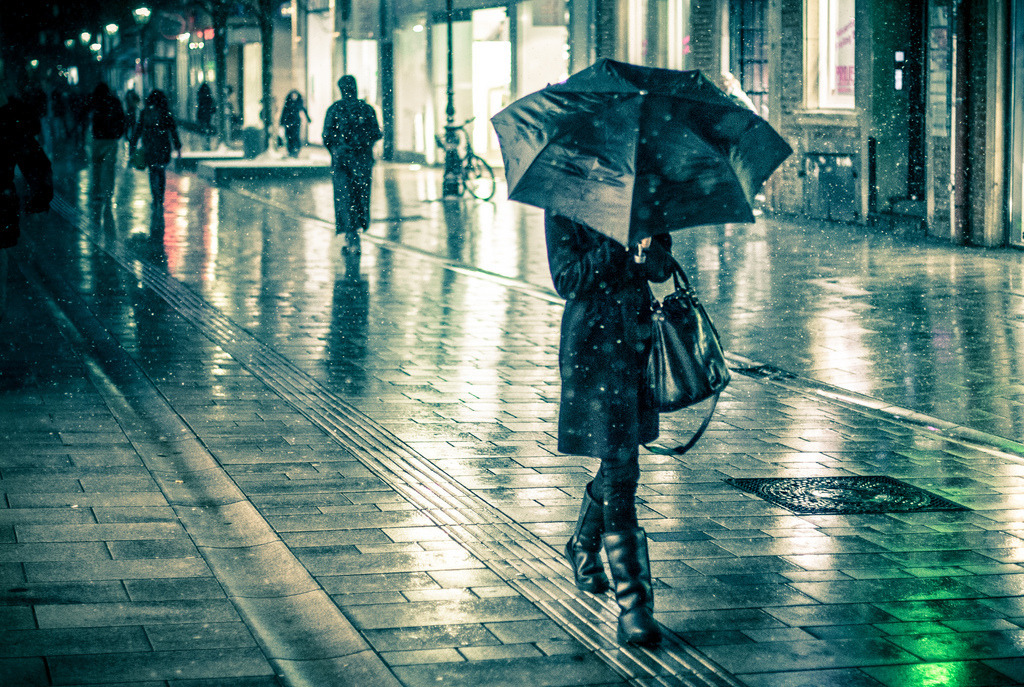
(637, 151)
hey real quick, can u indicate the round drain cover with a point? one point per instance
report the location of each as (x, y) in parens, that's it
(840, 495)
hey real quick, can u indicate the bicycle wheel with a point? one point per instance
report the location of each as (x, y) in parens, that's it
(479, 178)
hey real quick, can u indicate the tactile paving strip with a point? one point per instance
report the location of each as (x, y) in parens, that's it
(843, 495)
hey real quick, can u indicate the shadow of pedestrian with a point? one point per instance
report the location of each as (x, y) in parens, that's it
(456, 226)
(101, 207)
(156, 224)
(346, 346)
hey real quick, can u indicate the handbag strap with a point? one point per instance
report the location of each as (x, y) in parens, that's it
(677, 274)
(683, 448)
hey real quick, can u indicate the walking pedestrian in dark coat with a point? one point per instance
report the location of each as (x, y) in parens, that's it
(206, 106)
(291, 119)
(606, 408)
(108, 126)
(158, 133)
(350, 130)
(19, 148)
(131, 111)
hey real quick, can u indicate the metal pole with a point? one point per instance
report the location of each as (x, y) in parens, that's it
(450, 185)
(142, 64)
(387, 82)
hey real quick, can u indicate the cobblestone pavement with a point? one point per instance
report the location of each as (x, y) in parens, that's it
(230, 457)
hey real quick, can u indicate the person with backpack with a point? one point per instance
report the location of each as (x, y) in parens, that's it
(108, 126)
(350, 131)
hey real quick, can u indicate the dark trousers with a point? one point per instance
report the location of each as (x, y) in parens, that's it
(352, 197)
(615, 485)
(293, 139)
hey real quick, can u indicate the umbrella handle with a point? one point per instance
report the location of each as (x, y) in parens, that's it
(639, 258)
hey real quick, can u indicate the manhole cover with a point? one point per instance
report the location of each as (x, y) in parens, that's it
(843, 495)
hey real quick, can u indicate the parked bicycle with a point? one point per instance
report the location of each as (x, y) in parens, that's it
(475, 175)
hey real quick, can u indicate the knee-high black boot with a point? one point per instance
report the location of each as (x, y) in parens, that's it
(631, 577)
(584, 547)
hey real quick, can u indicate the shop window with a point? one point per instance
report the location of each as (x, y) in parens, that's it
(668, 34)
(829, 53)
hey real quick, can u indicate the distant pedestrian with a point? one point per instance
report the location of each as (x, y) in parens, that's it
(19, 148)
(108, 126)
(157, 133)
(229, 113)
(291, 119)
(606, 409)
(206, 107)
(131, 110)
(350, 131)
(79, 107)
(59, 111)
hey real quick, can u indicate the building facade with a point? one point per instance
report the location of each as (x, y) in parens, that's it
(902, 112)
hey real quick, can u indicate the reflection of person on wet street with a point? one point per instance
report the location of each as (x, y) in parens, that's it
(19, 148)
(108, 126)
(606, 408)
(291, 119)
(157, 132)
(350, 131)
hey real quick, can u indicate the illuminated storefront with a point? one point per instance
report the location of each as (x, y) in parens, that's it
(500, 51)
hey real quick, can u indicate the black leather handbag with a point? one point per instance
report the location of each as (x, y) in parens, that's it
(686, 365)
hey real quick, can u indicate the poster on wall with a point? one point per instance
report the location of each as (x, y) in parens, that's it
(841, 29)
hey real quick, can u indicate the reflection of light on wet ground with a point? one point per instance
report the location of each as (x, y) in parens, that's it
(838, 352)
(211, 231)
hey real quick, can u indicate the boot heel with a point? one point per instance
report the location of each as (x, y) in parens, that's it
(631, 575)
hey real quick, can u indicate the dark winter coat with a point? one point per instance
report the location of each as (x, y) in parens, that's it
(19, 148)
(606, 408)
(292, 113)
(158, 134)
(350, 130)
(108, 120)
(206, 107)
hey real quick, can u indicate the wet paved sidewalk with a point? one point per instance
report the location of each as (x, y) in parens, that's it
(392, 422)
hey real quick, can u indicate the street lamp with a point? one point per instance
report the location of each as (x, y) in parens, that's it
(141, 16)
(450, 184)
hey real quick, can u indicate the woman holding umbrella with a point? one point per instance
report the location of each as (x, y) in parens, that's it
(606, 408)
(619, 155)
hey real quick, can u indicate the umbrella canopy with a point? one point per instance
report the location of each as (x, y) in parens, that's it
(637, 151)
